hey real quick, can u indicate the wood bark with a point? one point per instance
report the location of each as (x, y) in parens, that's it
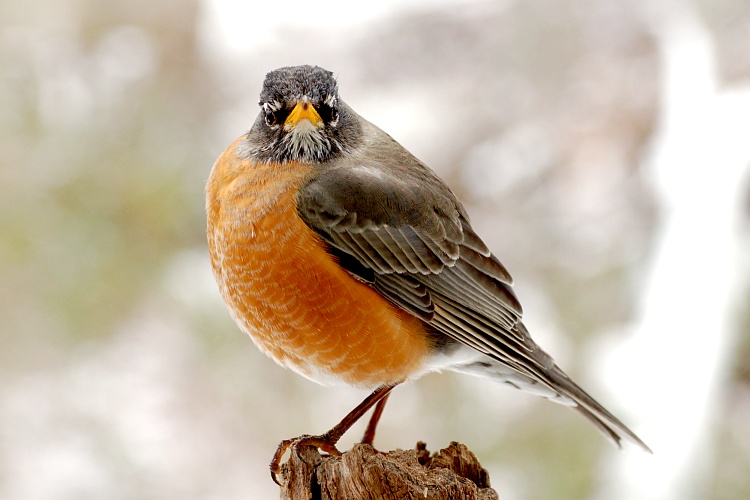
(453, 473)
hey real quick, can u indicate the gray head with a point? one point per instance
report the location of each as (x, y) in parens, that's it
(302, 118)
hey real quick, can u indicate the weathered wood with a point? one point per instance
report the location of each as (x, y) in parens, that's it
(453, 473)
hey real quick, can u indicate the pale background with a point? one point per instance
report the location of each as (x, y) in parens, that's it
(601, 148)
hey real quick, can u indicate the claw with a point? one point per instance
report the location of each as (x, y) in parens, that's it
(323, 442)
(275, 465)
(327, 442)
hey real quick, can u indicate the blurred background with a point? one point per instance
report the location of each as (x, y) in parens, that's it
(600, 146)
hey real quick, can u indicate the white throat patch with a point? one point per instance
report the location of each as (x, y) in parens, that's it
(306, 142)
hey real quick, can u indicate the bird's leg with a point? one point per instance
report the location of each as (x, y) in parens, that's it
(327, 441)
(369, 435)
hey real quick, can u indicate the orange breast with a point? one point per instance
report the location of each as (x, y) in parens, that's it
(287, 292)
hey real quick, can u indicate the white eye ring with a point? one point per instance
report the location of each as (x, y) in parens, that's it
(270, 109)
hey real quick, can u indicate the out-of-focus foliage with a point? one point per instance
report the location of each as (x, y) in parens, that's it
(103, 136)
(122, 374)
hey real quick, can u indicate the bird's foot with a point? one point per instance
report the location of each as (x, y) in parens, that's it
(323, 442)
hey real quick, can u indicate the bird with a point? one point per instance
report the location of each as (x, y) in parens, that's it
(349, 261)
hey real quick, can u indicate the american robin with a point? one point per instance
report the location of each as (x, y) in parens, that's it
(348, 260)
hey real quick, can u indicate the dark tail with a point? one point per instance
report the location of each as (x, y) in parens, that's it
(608, 424)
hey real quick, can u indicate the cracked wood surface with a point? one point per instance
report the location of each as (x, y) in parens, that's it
(453, 473)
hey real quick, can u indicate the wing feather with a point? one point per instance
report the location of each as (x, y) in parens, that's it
(423, 252)
(399, 229)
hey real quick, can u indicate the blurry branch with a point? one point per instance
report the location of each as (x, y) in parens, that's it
(453, 473)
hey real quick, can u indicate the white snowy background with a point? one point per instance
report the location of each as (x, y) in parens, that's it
(601, 148)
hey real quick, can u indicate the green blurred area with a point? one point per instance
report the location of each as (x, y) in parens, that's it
(104, 153)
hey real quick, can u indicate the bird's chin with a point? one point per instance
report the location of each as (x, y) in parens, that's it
(306, 143)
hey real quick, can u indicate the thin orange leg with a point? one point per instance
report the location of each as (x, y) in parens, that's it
(327, 441)
(369, 435)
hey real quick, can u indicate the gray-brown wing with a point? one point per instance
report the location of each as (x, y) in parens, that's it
(403, 231)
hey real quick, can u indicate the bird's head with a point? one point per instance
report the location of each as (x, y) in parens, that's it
(302, 118)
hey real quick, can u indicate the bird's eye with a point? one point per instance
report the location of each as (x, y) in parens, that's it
(275, 113)
(274, 118)
(328, 114)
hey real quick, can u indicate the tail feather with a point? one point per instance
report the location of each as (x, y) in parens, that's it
(608, 424)
(553, 384)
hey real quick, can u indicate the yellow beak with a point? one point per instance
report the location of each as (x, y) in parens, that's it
(303, 110)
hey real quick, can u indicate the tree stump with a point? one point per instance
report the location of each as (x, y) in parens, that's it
(453, 473)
